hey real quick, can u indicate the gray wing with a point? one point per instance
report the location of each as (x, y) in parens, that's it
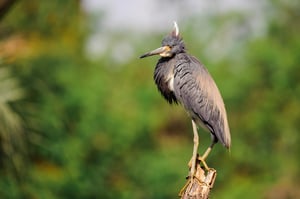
(198, 93)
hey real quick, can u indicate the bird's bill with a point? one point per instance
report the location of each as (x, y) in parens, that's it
(162, 51)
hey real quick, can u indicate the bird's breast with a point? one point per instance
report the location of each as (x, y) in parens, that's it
(164, 78)
(170, 81)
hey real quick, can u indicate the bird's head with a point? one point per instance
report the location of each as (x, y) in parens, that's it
(172, 44)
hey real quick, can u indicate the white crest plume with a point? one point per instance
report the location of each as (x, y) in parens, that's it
(176, 28)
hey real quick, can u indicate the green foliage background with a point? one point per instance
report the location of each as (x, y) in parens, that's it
(76, 128)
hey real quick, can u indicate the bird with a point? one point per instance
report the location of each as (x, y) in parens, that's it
(182, 79)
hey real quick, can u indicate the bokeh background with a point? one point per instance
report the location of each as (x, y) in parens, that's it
(80, 115)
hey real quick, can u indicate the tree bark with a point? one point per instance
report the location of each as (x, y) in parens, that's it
(199, 187)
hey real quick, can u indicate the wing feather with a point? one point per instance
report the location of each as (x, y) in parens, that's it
(198, 93)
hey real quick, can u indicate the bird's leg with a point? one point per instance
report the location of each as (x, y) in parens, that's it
(208, 150)
(206, 153)
(192, 162)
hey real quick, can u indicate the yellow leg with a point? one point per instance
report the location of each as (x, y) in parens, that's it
(208, 150)
(205, 155)
(195, 150)
(192, 162)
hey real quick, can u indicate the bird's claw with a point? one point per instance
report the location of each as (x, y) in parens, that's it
(201, 160)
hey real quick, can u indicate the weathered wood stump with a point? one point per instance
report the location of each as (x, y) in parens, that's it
(199, 187)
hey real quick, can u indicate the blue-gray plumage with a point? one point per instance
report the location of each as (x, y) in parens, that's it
(181, 78)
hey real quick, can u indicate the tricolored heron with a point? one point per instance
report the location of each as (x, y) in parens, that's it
(180, 77)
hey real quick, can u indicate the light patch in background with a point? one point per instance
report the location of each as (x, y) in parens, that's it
(134, 17)
(121, 52)
(138, 15)
(96, 45)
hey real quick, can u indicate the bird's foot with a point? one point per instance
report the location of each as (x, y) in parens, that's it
(200, 160)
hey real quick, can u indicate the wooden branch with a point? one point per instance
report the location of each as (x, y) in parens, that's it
(199, 187)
